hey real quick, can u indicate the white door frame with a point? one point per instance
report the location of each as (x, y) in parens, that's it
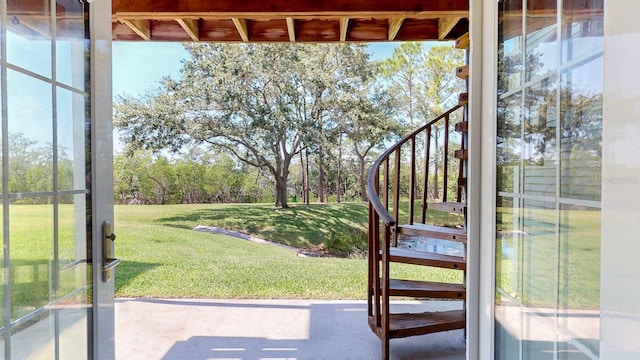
(482, 190)
(101, 174)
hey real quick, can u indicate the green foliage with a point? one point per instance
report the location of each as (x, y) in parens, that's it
(352, 243)
(195, 177)
(261, 103)
(31, 168)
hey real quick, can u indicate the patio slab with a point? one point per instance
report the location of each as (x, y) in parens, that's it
(190, 329)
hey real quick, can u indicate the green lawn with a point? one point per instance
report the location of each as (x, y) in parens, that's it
(163, 257)
(542, 269)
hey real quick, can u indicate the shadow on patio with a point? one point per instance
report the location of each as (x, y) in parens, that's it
(268, 329)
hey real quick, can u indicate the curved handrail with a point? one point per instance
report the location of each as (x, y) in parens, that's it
(374, 198)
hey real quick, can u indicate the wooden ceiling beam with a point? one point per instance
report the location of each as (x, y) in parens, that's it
(191, 27)
(445, 25)
(140, 27)
(394, 26)
(297, 16)
(291, 28)
(344, 28)
(286, 6)
(241, 25)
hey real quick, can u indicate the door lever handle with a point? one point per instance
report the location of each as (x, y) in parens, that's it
(111, 264)
(109, 261)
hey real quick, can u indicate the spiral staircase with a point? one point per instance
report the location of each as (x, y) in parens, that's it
(403, 171)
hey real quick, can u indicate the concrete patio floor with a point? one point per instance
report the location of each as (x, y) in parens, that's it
(189, 329)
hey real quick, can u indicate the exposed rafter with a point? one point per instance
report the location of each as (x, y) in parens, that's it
(191, 27)
(394, 26)
(140, 27)
(344, 27)
(463, 41)
(285, 20)
(241, 25)
(291, 28)
(291, 7)
(445, 25)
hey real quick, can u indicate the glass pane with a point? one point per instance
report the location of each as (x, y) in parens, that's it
(29, 36)
(508, 246)
(72, 293)
(579, 296)
(34, 339)
(508, 328)
(72, 246)
(539, 336)
(539, 155)
(539, 255)
(73, 333)
(509, 144)
(510, 45)
(72, 45)
(71, 140)
(30, 134)
(581, 132)
(583, 30)
(31, 236)
(541, 41)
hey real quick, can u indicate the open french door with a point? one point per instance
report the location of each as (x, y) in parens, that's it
(57, 258)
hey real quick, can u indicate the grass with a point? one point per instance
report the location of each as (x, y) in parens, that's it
(542, 269)
(31, 246)
(341, 228)
(163, 257)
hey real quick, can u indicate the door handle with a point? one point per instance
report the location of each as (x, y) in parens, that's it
(109, 261)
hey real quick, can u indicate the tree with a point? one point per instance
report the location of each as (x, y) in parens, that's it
(427, 86)
(260, 103)
(369, 122)
(404, 71)
(439, 92)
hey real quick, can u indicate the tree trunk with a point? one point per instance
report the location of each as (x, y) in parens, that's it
(307, 189)
(304, 181)
(338, 182)
(363, 182)
(281, 192)
(320, 176)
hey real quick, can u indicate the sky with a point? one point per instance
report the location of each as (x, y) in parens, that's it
(139, 66)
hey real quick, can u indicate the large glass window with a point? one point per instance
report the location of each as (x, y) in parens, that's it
(45, 284)
(549, 151)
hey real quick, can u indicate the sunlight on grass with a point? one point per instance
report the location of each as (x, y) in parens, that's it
(163, 257)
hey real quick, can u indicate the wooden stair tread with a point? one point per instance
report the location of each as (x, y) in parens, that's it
(462, 72)
(424, 258)
(405, 325)
(462, 126)
(452, 207)
(463, 99)
(426, 289)
(435, 232)
(461, 154)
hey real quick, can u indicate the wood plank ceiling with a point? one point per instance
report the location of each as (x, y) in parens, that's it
(289, 20)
